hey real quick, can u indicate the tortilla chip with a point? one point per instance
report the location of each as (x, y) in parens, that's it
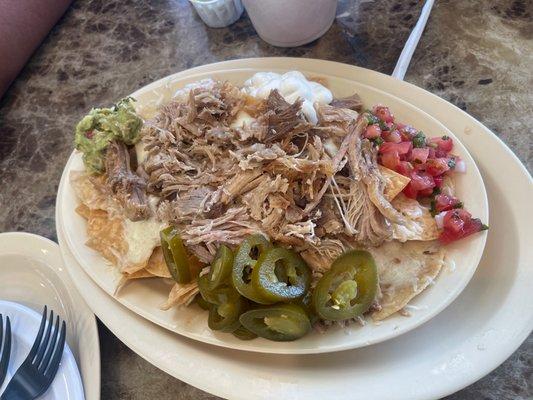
(181, 295)
(404, 271)
(420, 223)
(83, 210)
(141, 237)
(125, 278)
(394, 182)
(106, 235)
(143, 273)
(156, 264)
(90, 190)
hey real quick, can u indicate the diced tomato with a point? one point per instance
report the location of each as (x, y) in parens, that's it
(473, 225)
(437, 166)
(459, 224)
(453, 221)
(392, 136)
(407, 132)
(463, 214)
(400, 148)
(410, 192)
(421, 184)
(438, 180)
(389, 126)
(420, 155)
(444, 202)
(405, 168)
(383, 113)
(89, 134)
(372, 131)
(439, 153)
(425, 193)
(421, 181)
(418, 166)
(444, 143)
(431, 152)
(390, 160)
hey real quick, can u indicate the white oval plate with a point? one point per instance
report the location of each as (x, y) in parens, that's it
(32, 274)
(145, 296)
(483, 327)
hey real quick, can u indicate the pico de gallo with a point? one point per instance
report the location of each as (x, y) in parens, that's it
(426, 161)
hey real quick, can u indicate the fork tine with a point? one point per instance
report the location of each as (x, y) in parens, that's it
(7, 341)
(41, 366)
(58, 353)
(45, 341)
(35, 346)
(1, 331)
(5, 353)
(36, 379)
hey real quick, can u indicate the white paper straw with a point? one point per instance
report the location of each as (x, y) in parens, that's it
(412, 42)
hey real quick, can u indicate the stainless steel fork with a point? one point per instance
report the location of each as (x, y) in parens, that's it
(38, 370)
(5, 349)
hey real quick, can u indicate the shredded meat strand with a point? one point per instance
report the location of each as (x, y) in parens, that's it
(127, 187)
(316, 188)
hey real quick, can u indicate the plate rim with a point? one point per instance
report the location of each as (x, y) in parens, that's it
(415, 323)
(508, 349)
(91, 387)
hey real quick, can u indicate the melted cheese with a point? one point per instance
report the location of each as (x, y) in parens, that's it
(402, 265)
(142, 237)
(241, 119)
(140, 152)
(291, 86)
(330, 147)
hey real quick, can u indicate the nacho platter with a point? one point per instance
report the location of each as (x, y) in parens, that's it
(425, 271)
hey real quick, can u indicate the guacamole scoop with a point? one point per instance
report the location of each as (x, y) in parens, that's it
(101, 126)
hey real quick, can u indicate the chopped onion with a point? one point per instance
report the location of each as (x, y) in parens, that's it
(439, 219)
(460, 166)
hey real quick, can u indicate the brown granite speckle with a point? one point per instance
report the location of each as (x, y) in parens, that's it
(514, 9)
(483, 66)
(476, 54)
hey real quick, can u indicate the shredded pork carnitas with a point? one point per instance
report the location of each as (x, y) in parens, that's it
(315, 188)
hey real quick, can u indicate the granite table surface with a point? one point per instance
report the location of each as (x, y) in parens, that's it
(475, 54)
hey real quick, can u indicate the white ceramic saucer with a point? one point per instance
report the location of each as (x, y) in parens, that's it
(32, 275)
(24, 326)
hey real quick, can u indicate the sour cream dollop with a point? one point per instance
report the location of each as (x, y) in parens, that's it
(291, 86)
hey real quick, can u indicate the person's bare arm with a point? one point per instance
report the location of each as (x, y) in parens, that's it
(23, 25)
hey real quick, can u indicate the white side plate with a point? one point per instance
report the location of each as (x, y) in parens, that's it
(24, 326)
(145, 296)
(32, 274)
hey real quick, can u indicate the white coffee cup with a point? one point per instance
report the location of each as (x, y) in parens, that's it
(289, 23)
